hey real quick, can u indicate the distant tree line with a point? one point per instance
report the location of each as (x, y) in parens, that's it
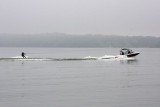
(88, 41)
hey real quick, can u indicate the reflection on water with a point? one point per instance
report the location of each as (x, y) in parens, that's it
(132, 61)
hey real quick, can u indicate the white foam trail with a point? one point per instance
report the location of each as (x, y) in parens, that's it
(107, 57)
(111, 57)
(19, 57)
(90, 57)
(124, 57)
(32, 59)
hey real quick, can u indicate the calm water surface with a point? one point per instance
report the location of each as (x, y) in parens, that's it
(80, 83)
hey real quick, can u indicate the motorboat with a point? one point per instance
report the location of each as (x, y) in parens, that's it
(128, 52)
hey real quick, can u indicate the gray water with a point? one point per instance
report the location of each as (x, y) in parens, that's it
(80, 83)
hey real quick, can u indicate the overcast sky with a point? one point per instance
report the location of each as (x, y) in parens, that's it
(120, 17)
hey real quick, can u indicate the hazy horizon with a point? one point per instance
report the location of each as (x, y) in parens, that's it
(79, 17)
(66, 40)
(73, 34)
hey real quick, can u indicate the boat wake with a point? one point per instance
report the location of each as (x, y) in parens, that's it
(105, 57)
(111, 57)
(125, 54)
(19, 58)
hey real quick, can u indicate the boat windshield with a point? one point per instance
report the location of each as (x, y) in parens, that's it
(125, 51)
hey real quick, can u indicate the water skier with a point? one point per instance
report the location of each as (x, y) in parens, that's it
(23, 55)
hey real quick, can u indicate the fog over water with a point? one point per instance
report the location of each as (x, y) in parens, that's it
(78, 29)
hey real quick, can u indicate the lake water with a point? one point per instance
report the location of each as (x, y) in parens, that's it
(79, 83)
